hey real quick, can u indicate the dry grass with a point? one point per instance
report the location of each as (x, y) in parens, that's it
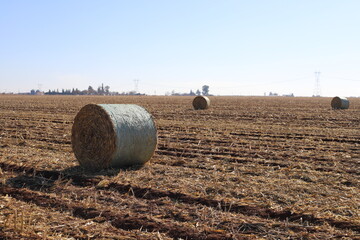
(261, 168)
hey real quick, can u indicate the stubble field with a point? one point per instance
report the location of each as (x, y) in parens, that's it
(246, 168)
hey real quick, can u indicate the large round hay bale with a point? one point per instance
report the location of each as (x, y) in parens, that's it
(201, 102)
(113, 135)
(340, 103)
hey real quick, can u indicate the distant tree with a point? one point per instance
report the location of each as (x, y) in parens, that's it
(102, 89)
(205, 90)
(107, 89)
(91, 90)
(191, 93)
(198, 92)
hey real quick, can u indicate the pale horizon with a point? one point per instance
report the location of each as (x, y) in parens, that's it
(234, 47)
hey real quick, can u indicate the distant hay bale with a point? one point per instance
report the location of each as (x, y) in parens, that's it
(340, 103)
(201, 102)
(113, 135)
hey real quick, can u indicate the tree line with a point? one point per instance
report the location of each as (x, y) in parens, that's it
(204, 92)
(105, 90)
(75, 91)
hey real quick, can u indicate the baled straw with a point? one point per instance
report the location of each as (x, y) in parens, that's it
(113, 135)
(340, 103)
(201, 102)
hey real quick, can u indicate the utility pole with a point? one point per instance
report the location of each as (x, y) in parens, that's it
(317, 90)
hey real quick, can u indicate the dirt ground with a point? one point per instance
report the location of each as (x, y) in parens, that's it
(246, 168)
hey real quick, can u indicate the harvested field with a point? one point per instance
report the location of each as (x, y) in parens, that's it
(246, 168)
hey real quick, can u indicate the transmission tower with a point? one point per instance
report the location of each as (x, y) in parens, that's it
(317, 90)
(136, 83)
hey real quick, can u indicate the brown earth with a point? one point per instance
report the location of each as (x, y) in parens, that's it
(246, 168)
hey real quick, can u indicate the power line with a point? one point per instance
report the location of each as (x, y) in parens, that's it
(266, 83)
(345, 79)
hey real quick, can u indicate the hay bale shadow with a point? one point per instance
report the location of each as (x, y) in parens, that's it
(111, 172)
(36, 183)
(45, 180)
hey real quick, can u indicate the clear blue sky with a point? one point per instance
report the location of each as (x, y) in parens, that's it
(234, 46)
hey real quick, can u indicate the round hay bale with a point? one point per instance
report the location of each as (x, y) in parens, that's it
(201, 102)
(340, 103)
(113, 135)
